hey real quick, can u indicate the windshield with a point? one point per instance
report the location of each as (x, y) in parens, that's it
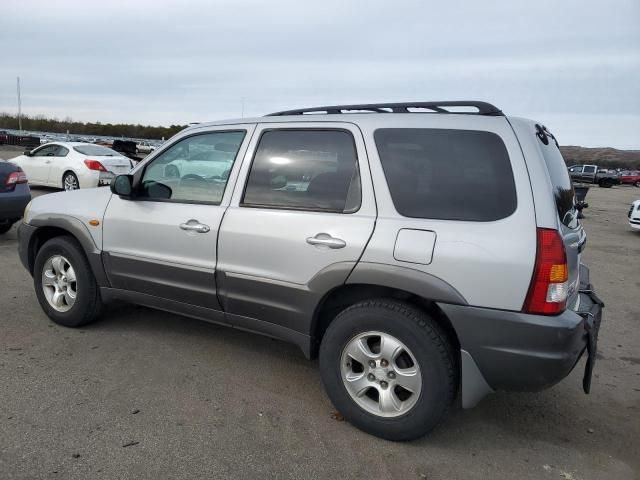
(96, 151)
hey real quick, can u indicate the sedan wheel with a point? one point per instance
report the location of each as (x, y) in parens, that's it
(70, 182)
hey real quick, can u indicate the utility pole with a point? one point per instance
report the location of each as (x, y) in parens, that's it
(19, 108)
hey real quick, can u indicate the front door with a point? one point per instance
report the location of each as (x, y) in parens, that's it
(57, 167)
(37, 166)
(163, 242)
(305, 207)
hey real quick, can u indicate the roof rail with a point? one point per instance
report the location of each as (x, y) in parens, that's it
(483, 108)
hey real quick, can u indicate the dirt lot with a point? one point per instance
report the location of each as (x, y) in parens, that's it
(145, 394)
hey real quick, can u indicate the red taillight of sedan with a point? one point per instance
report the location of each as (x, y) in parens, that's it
(15, 177)
(94, 165)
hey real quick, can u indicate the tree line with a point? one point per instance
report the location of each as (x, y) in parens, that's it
(55, 125)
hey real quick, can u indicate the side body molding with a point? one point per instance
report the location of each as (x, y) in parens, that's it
(80, 231)
(408, 279)
(288, 305)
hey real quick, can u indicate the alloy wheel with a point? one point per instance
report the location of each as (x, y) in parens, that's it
(59, 283)
(71, 182)
(381, 374)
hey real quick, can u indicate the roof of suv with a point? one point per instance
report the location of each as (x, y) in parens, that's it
(341, 113)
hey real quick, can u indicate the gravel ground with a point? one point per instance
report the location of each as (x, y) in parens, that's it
(146, 394)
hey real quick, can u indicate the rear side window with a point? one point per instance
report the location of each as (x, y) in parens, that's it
(305, 169)
(561, 182)
(447, 174)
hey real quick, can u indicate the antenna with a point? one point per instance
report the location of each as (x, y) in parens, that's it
(19, 107)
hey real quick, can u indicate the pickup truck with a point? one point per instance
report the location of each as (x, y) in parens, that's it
(593, 174)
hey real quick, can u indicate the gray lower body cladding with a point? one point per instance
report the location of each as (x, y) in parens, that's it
(517, 351)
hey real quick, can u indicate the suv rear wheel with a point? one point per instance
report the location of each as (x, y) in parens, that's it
(64, 283)
(389, 369)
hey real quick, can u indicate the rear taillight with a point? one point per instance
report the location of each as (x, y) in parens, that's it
(549, 285)
(15, 178)
(94, 165)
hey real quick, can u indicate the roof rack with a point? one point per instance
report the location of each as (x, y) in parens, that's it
(484, 108)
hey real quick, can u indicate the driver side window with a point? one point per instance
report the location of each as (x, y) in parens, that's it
(195, 169)
(47, 151)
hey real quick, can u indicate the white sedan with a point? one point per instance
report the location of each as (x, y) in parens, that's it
(72, 165)
(634, 215)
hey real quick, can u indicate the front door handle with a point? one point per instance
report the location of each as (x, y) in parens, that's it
(195, 226)
(326, 240)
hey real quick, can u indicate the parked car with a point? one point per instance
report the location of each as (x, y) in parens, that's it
(145, 147)
(630, 178)
(634, 215)
(592, 174)
(71, 165)
(14, 195)
(419, 255)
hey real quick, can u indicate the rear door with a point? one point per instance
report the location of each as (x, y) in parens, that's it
(589, 173)
(163, 243)
(304, 208)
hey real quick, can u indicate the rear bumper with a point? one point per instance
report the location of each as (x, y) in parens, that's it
(522, 352)
(12, 204)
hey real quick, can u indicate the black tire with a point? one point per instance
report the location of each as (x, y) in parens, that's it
(88, 304)
(71, 176)
(430, 347)
(605, 183)
(5, 227)
(637, 184)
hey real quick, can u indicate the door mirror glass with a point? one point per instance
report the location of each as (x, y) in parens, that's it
(122, 185)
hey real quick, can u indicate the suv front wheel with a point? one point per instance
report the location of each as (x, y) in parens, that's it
(64, 283)
(389, 369)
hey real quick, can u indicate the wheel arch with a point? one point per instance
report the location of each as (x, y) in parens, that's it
(343, 296)
(63, 225)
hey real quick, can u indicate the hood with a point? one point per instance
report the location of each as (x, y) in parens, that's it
(84, 205)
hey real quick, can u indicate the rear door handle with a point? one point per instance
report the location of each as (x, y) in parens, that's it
(195, 226)
(326, 240)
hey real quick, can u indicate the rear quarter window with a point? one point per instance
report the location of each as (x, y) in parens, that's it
(447, 174)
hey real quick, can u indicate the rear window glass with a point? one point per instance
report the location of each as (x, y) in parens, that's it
(96, 151)
(561, 182)
(447, 174)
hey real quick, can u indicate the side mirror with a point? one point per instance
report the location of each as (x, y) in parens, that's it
(122, 186)
(27, 153)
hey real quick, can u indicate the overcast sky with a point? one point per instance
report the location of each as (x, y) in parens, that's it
(571, 64)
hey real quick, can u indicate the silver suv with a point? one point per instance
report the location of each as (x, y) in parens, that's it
(426, 252)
